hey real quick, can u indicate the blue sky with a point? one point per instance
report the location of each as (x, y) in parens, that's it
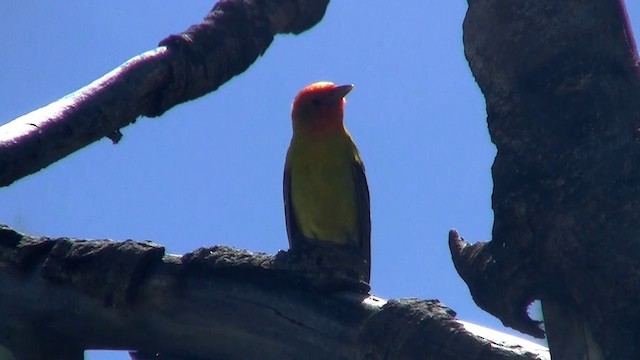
(210, 171)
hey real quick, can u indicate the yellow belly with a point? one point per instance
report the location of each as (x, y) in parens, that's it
(323, 194)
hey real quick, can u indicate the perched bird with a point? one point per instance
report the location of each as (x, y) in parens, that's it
(326, 197)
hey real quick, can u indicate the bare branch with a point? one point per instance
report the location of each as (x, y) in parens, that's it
(186, 66)
(61, 296)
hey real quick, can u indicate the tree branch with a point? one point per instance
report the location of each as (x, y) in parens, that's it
(184, 67)
(61, 296)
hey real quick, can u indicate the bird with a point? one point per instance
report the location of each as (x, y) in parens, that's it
(326, 195)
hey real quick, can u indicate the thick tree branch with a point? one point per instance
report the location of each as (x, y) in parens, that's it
(184, 67)
(561, 83)
(60, 296)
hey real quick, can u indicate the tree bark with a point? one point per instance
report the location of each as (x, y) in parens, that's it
(59, 297)
(561, 84)
(186, 66)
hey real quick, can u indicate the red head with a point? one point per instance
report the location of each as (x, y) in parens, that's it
(317, 108)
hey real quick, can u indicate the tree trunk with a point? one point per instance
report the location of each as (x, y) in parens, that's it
(561, 84)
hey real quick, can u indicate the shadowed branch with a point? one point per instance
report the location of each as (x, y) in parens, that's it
(59, 297)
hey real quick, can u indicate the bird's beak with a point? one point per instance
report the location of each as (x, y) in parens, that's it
(339, 92)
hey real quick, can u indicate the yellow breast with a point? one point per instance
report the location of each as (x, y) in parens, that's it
(323, 188)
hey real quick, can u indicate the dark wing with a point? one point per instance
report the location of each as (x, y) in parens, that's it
(364, 215)
(293, 232)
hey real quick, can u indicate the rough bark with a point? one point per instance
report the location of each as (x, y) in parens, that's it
(561, 84)
(59, 297)
(185, 66)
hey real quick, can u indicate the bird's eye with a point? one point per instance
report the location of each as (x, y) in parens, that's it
(315, 102)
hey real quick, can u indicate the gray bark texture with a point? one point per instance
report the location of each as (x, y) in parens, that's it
(61, 296)
(561, 83)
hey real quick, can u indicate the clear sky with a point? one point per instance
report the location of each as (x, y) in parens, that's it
(210, 171)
